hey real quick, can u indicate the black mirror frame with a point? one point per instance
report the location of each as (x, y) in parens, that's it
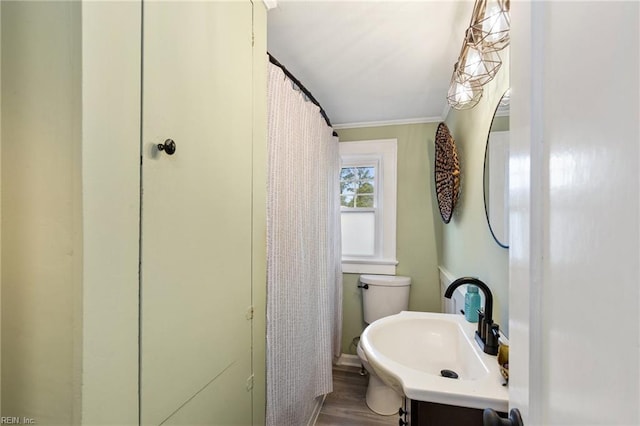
(484, 180)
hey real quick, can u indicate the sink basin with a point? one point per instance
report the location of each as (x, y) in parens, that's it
(411, 349)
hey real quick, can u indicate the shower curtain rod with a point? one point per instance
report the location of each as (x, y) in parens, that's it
(304, 90)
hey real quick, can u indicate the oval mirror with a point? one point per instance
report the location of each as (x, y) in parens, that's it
(496, 174)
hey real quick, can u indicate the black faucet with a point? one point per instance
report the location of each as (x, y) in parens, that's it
(488, 333)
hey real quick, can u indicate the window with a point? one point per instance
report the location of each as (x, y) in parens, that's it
(368, 206)
(359, 204)
(358, 186)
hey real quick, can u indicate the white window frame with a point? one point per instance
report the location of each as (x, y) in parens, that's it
(384, 153)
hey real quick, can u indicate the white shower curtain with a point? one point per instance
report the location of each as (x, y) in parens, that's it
(304, 273)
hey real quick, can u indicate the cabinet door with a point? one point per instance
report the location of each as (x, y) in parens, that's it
(432, 414)
(195, 335)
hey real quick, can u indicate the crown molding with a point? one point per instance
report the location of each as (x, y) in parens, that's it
(270, 4)
(399, 122)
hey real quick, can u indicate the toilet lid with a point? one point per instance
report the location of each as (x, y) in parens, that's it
(386, 280)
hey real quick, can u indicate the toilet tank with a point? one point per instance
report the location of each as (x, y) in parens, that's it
(386, 295)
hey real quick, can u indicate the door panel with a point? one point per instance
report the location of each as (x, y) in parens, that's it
(574, 193)
(196, 205)
(216, 404)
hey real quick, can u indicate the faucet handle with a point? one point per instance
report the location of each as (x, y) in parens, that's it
(491, 344)
(495, 331)
(481, 327)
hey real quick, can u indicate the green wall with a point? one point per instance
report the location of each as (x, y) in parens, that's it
(467, 248)
(42, 244)
(259, 231)
(418, 223)
(464, 247)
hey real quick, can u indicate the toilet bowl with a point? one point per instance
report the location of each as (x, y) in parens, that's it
(382, 295)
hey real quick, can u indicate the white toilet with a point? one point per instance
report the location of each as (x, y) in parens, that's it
(382, 295)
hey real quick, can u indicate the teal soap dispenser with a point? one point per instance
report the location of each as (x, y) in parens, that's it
(471, 303)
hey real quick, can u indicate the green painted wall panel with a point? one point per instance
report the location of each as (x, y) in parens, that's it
(42, 211)
(259, 261)
(221, 401)
(418, 223)
(468, 249)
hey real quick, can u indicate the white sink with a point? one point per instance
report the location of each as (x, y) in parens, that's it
(409, 350)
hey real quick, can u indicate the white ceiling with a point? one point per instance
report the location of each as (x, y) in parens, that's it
(371, 61)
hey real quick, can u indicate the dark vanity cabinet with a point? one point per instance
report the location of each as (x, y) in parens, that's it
(423, 413)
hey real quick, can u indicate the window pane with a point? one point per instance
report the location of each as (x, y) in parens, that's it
(346, 200)
(365, 187)
(366, 172)
(358, 234)
(358, 180)
(364, 200)
(347, 188)
(348, 174)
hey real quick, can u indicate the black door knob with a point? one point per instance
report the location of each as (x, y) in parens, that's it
(491, 418)
(169, 146)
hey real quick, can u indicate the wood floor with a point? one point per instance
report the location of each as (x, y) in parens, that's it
(346, 406)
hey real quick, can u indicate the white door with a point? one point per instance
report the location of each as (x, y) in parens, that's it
(195, 337)
(574, 193)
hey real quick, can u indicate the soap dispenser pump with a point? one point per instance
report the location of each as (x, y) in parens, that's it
(471, 303)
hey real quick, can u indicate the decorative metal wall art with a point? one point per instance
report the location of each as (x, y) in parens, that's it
(446, 172)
